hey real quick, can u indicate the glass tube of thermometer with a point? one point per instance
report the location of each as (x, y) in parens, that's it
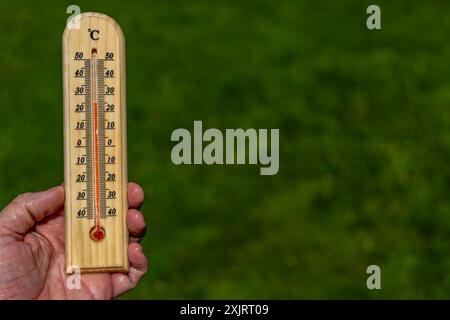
(95, 153)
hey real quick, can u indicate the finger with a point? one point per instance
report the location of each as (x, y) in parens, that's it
(28, 208)
(136, 225)
(135, 196)
(123, 282)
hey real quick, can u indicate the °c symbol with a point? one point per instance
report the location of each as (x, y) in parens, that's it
(94, 34)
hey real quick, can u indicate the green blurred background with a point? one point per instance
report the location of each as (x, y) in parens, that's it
(364, 120)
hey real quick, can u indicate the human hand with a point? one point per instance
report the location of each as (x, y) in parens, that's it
(32, 250)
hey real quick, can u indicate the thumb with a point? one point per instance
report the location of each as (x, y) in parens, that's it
(28, 208)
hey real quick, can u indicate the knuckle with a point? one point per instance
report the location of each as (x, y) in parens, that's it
(22, 198)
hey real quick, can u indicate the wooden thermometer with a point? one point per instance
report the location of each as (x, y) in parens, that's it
(95, 144)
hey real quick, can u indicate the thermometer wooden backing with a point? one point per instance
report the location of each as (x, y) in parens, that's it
(95, 153)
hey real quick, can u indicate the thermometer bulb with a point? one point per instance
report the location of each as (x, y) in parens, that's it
(97, 234)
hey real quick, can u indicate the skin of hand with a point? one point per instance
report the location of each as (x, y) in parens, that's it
(32, 250)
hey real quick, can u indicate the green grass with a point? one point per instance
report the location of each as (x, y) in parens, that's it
(364, 122)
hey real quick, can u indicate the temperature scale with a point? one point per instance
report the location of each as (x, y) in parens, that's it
(95, 144)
